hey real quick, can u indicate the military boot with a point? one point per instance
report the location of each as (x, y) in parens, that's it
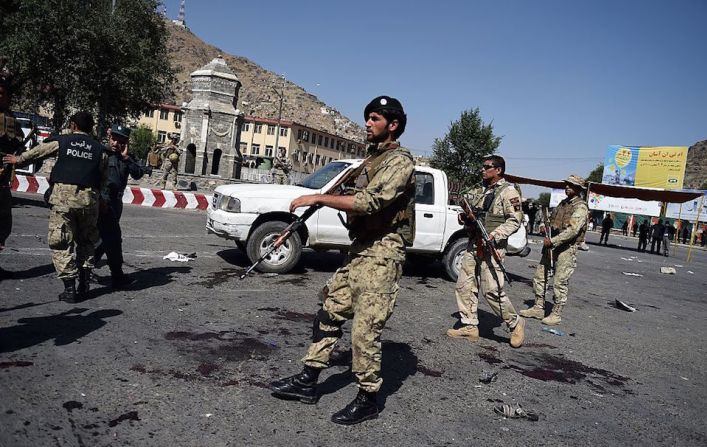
(518, 333)
(461, 330)
(537, 311)
(555, 316)
(84, 282)
(362, 408)
(69, 293)
(302, 386)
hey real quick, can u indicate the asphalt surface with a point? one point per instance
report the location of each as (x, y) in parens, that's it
(184, 358)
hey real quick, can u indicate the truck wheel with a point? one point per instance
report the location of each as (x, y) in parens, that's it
(452, 259)
(242, 247)
(283, 259)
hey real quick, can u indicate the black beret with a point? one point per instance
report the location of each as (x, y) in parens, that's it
(383, 103)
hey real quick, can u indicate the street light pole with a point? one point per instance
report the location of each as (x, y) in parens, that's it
(281, 94)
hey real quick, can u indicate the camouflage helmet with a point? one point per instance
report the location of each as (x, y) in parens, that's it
(576, 181)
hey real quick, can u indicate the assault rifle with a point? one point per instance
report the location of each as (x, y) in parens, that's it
(485, 238)
(18, 148)
(336, 189)
(548, 234)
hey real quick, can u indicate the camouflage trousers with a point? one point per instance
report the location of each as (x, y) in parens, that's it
(565, 263)
(363, 289)
(279, 178)
(482, 271)
(170, 172)
(5, 214)
(72, 230)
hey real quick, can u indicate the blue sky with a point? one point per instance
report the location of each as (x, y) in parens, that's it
(560, 80)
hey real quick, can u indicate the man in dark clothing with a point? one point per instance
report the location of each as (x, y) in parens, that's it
(657, 232)
(685, 232)
(624, 228)
(120, 165)
(643, 236)
(606, 225)
(634, 228)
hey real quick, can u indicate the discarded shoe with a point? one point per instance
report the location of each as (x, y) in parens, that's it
(516, 412)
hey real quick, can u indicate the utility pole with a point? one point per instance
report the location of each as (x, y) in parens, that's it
(281, 94)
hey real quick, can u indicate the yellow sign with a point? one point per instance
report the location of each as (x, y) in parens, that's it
(661, 167)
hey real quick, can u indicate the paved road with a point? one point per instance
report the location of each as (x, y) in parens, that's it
(184, 358)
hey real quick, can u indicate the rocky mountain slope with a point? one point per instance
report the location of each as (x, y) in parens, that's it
(696, 168)
(188, 53)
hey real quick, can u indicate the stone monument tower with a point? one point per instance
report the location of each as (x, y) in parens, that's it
(210, 129)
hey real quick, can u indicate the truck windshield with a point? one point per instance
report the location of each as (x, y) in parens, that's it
(318, 179)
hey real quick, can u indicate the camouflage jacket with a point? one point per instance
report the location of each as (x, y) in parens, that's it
(392, 180)
(570, 218)
(506, 203)
(281, 165)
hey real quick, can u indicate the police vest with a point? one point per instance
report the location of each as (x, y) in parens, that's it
(398, 217)
(78, 162)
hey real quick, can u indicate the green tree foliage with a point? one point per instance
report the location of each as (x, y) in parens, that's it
(704, 185)
(596, 174)
(461, 152)
(141, 140)
(72, 55)
(544, 199)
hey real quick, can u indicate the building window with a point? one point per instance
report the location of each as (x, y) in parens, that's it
(244, 148)
(161, 136)
(305, 135)
(271, 129)
(314, 138)
(268, 151)
(245, 127)
(283, 131)
(304, 157)
(258, 128)
(164, 114)
(326, 141)
(299, 134)
(255, 149)
(178, 117)
(150, 114)
(319, 140)
(331, 143)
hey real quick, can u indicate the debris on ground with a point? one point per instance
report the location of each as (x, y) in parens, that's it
(626, 259)
(632, 274)
(667, 270)
(678, 265)
(488, 377)
(179, 257)
(269, 275)
(553, 331)
(515, 412)
(623, 306)
(691, 272)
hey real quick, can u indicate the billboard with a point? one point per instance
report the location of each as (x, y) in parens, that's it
(688, 210)
(623, 205)
(646, 167)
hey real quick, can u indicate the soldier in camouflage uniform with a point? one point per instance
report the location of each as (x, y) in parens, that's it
(76, 179)
(499, 206)
(381, 221)
(281, 166)
(568, 222)
(170, 161)
(10, 143)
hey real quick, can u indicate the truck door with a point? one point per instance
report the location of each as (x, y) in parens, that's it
(429, 213)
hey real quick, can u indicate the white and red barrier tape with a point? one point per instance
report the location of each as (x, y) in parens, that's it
(158, 198)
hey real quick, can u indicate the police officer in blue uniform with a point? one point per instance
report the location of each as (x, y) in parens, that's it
(121, 163)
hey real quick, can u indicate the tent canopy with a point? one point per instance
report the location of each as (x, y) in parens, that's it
(628, 192)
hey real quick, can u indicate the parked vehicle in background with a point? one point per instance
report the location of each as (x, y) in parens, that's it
(253, 215)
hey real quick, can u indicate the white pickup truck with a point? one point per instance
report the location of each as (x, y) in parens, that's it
(254, 214)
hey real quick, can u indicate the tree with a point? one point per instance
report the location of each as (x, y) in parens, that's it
(461, 152)
(141, 140)
(544, 199)
(597, 173)
(84, 55)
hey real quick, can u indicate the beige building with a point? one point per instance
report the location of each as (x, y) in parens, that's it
(308, 149)
(164, 120)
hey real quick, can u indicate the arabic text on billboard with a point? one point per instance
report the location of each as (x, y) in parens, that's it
(645, 167)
